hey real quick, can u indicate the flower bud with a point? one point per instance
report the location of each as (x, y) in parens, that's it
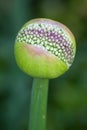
(44, 48)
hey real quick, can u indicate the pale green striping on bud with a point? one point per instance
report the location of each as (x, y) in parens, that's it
(44, 48)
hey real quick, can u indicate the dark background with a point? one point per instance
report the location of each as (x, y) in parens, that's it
(67, 100)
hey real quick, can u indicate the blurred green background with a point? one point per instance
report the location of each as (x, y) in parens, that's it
(67, 100)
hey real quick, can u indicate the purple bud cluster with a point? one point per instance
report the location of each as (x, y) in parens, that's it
(53, 38)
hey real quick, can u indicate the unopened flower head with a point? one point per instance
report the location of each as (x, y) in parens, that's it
(53, 38)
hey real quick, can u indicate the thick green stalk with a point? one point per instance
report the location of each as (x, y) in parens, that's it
(38, 104)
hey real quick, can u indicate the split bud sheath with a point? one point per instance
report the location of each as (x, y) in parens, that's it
(44, 48)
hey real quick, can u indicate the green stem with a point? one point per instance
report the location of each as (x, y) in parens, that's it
(38, 104)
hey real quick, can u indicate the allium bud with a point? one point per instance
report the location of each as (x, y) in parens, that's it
(44, 48)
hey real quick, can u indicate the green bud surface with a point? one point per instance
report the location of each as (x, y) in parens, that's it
(44, 48)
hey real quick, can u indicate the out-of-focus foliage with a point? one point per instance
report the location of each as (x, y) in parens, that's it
(67, 100)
